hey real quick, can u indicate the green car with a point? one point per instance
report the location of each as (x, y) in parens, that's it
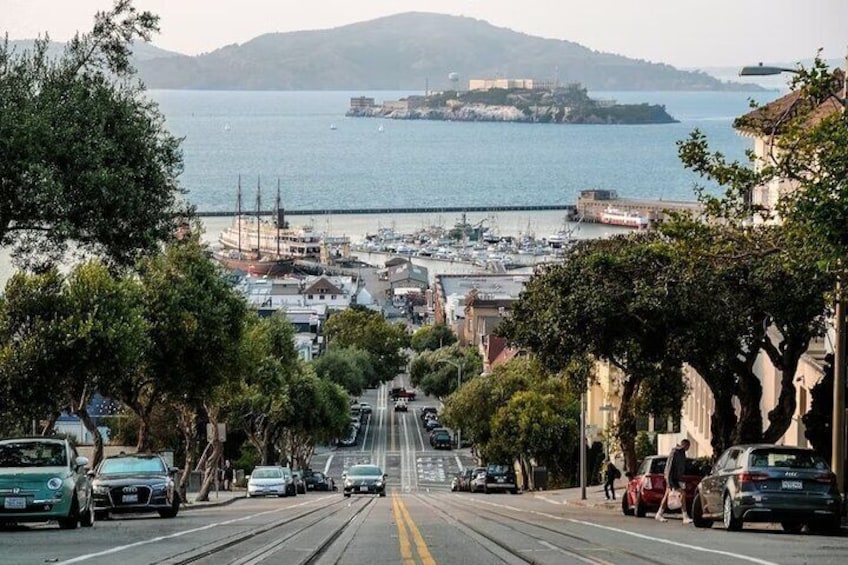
(44, 479)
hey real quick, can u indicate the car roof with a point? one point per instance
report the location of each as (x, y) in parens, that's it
(34, 439)
(135, 456)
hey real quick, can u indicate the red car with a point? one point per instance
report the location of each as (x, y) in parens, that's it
(646, 489)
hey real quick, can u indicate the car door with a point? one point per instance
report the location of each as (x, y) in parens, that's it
(725, 480)
(81, 479)
(709, 485)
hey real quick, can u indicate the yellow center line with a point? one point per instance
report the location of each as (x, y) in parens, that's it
(403, 537)
(423, 552)
(392, 426)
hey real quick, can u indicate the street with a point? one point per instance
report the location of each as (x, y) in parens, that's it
(419, 521)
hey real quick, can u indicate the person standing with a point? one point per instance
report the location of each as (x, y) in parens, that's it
(611, 473)
(675, 468)
(228, 475)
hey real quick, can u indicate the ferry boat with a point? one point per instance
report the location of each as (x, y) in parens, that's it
(616, 217)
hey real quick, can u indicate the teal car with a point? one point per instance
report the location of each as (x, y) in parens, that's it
(44, 479)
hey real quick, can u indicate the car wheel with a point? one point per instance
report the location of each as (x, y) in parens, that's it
(347, 495)
(101, 515)
(72, 521)
(173, 510)
(626, 509)
(792, 527)
(87, 517)
(383, 493)
(731, 522)
(828, 526)
(698, 514)
(641, 509)
(514, 491)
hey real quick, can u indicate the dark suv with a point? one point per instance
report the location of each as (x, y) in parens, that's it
(769, 483)
(500, 477)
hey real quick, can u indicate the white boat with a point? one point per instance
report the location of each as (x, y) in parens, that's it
(616, 217)
(333, 127)
(380, 129)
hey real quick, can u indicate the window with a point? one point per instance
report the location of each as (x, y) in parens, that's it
(311, 297)
(322, 297)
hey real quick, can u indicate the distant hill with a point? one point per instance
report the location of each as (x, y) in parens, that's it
(141, 51)
(404, 51)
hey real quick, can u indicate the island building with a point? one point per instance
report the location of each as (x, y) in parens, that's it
(510, 83)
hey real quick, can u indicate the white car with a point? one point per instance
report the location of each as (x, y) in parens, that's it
(401, 405)
(274, 481)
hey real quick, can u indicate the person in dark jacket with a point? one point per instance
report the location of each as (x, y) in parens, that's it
(675, 468)
(611, 473)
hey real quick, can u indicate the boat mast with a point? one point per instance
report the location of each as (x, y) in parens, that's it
(258, 227)
(238, 215)
(277, 211)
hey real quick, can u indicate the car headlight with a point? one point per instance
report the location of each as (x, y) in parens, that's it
(378, 484)
(159, 488)
(348, 483)
(100, 489)
(55, 483)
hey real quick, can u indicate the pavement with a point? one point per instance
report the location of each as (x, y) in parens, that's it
(219, 498)
(595, 497)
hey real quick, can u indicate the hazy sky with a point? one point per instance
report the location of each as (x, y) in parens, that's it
(683, 33)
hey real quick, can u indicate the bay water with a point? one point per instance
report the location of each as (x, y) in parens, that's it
(324, 160)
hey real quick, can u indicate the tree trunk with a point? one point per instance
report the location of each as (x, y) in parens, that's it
(722, 423)
(89, 424)
(187, 418)
(749, 428)
(627, 424)
(210, 474)
(780, 418)
(143, 445)
(47, 430)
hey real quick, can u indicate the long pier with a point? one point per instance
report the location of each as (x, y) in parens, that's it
(571, 208)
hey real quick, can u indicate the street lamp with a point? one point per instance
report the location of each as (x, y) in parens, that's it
(839, 347)
(458, 385)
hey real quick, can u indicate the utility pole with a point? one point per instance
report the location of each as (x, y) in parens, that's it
(583, 446)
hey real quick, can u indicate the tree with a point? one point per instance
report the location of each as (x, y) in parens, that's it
(435, 372)
(85, 158)
(348, 367)
(615, 300)
(370, 332)
(818, 421)
(430, 338)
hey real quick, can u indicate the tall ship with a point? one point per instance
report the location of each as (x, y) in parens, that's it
(242, 244)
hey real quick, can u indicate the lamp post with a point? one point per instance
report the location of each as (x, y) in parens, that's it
(583, 446)
(838, 435)
(458, 385)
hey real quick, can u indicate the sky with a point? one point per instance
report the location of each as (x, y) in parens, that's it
(682, 33)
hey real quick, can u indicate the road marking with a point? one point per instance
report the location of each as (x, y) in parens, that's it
(403, 537)
(420, 545)
(459, 463)
(576, 556)
(365, 434)
(120, 548)
(635, 535)
(327, 464)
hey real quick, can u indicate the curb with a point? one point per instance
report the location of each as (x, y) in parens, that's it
(210, 504)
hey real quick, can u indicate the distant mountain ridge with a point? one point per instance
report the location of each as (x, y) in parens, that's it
(406, 52)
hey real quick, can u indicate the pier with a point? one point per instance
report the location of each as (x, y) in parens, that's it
(570, 208)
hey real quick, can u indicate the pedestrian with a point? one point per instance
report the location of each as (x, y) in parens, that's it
(228, 475)
(611, 473)
(675, 468)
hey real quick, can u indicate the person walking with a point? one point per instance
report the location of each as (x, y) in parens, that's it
(611, 473)
(228, 475)
(675, 468)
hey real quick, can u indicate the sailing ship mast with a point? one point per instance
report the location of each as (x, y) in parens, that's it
(258, 226)
(238, 215)
(277, 212)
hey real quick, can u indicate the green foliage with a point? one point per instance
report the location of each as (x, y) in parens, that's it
(646, 445)
(437, 372)
(370, 332)
(85, 158)
(350, 368)
(430, 338)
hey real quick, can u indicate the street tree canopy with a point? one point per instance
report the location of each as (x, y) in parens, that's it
(84, 157)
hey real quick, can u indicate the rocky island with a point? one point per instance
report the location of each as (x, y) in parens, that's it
(569, 104)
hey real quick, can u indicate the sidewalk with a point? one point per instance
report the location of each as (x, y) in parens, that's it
(220, 498)
(595, 497)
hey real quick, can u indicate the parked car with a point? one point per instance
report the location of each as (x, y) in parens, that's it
(44, 479)
(316, 480)
(135, 483)
(432, 424)
(441, 440)
(423, 411)
(299, 483)
(401, 405)
(349, 440)
(463, 479)
(271, 480)
(364, 479)
(478, 480)
(500, 477)
(364, 408)
(645, 490)
(769, 483)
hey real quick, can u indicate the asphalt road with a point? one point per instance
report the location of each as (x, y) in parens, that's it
(419, 521)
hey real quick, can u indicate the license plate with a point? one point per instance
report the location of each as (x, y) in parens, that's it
(792, 485)
(501, 480)
(363, 489)
(128, 498)
(14, 503)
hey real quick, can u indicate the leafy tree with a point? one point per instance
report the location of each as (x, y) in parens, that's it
(818, 421)
(430, 338)
(348, 367)
(85, 158)
(615, 300)
(435, 372)
(370, 332)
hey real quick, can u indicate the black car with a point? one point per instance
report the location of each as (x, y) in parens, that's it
(500, 477)
(316, 480)
(135, 483)
(769, 483)
(441, 440)
(364, 479)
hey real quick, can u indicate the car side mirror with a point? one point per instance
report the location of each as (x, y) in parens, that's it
(80, 462)
(173, 470)
(344, 475)
(91, 473)
(385, 476)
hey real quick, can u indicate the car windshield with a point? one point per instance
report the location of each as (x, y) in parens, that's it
(267, 474)
(132, 466)
(787, 459)
(497, 469)
(658, 466)
(33, 454)
(365, 471)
